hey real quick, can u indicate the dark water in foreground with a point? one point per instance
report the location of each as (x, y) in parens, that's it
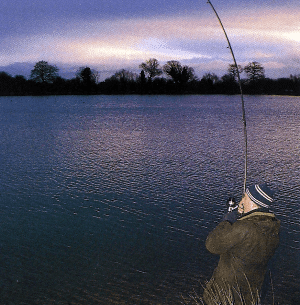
(108, 200)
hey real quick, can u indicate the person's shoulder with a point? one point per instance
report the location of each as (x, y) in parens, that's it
(241, 228)
(258, 220)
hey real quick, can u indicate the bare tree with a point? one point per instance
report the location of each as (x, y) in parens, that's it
(44, 73)
(233, 71)
(124, 76)
(180, 74)
(151, 68)
(210, 77)
(255, 71)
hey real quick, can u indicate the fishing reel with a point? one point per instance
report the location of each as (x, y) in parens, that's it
(231, 204)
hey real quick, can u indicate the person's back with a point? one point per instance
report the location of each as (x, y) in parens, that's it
(245, 247)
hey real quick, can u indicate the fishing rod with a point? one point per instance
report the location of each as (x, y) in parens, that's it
(241, 93)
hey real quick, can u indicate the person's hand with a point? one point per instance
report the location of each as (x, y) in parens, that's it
(230, 217)
(231, 204)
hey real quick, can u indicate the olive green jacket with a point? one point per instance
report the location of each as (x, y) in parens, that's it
(245, 248)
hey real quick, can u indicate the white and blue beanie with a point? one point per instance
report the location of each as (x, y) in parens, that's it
(260, 194)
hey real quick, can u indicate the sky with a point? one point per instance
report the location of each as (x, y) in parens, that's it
(109, 35)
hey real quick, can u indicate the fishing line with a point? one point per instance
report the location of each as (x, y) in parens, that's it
(241, 93)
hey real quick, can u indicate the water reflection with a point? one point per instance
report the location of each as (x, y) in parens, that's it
(109, 199)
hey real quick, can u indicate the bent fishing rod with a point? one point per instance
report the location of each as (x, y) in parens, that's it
(241, 92)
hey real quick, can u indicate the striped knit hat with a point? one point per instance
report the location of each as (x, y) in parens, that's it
(260, 194)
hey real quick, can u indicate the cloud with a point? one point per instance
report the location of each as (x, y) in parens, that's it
(268, 35)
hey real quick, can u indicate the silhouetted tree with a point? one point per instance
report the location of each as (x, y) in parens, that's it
(254, 71)
(142, 82)
(123, 81)
(232, 71)
(295, 78)
(227, 78)
(20, 79)
(208, 82)
(211, 77)
(74, 85)
(229, 81)
(20, 85)
(6, 84)
(124, 76)
(60, 86)
(228, 84)
(87, 76)
(151, 68)
(44, 73)
(255, 83)
(142, 77)
(180, 74)
(296, 83)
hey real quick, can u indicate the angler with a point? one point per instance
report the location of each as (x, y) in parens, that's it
(245, 242)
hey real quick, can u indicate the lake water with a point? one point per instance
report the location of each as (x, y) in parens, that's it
(109, 199)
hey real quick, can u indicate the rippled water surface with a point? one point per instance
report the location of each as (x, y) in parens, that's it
(108, 200)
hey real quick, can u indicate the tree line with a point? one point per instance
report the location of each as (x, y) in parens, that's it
(171, 78)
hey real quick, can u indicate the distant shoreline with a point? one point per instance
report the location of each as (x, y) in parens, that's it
(20, 86)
